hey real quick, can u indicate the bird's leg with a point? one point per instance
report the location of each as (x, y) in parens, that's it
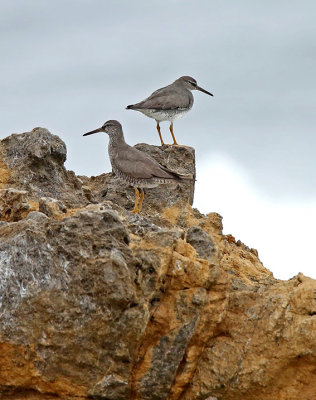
(142, 195)
(158, 129)
(173, 137)
(136, 209)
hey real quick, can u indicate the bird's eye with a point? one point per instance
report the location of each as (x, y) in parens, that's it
(192, 83)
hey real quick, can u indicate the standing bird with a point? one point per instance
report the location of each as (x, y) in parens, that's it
(134, 167)
(169, 103)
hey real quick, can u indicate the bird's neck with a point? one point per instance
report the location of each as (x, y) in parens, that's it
(115, 142)
(116, 139)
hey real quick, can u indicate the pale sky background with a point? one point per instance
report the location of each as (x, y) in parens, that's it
(70, 65)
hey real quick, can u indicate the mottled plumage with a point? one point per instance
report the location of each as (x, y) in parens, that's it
(133, 166)
(169, 103)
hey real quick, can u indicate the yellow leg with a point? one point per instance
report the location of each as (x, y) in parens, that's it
(171, 130)
(158, 129)
(142, 195)
(136, 210)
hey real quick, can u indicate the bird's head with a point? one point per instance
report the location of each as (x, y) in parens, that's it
(112, 128)
(190, 83)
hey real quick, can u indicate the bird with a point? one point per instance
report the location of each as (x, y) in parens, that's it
(169, 103)
(133, 166)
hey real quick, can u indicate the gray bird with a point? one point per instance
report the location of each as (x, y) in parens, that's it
(169, 103)
(134, 167)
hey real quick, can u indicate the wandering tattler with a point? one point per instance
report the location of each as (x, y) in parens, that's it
(134, 167)
(169, 103)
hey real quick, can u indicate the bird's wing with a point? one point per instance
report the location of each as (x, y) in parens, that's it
(166, 99)
(138, 165)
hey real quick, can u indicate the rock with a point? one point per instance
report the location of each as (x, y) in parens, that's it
(51, 207)
(111, 387)
(34, 162)
(14, 204)
(202, 242)
(63, 292)
(99, 303)
(36, 216)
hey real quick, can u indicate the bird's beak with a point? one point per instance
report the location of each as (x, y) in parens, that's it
(95, 131)
(203, 90)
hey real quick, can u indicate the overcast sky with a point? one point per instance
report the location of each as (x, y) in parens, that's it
(69, 66)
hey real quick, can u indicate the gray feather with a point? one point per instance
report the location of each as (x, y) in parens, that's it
(138, 165)
(167, 98)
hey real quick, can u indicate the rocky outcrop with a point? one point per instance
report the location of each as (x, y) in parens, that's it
(99, 303)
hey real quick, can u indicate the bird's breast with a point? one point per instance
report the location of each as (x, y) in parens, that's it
(165, 115)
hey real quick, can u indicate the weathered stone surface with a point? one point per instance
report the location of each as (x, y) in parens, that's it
(100, 303)
(111, 387)
(33, 161)
(203, 243)
(13, 204)
(51, 207)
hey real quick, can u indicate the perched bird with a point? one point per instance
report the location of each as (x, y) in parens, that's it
(134, 167)
(169, 103)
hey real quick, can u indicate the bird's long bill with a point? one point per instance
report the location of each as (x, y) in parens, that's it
(92, 132)
(203, 90)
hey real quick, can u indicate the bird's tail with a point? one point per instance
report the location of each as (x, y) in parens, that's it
(179, 177)
(186, 178)
(130, 107)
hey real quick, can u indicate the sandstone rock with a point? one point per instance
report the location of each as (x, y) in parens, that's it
(98, 303)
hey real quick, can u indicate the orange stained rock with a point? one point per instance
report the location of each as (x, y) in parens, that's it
(162, 321)
(17, 370)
